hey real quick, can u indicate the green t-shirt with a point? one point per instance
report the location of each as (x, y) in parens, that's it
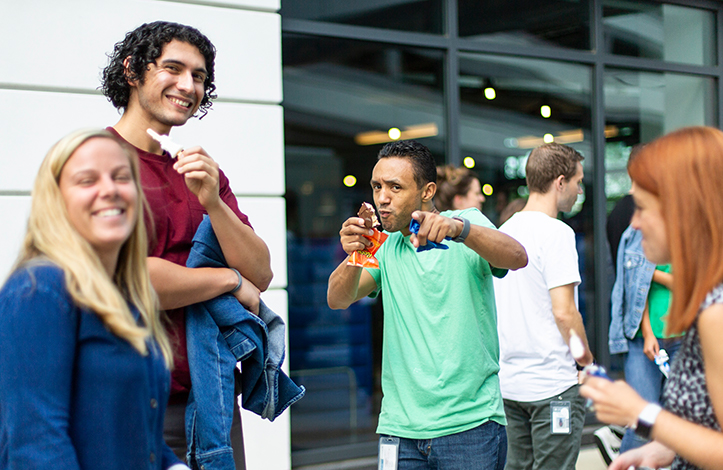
(440, 349)
(658, 304)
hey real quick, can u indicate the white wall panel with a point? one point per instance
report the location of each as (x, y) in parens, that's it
(48, 88)
(65, 43)
(265, 441)
(33, 121)
(15, 211)
(245, 139)
(264, 5)
(247, 142)
(268, 217)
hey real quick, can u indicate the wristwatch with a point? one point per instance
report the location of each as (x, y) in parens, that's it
(465, 230)
(646, 420)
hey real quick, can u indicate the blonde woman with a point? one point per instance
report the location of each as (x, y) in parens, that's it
(84, 375)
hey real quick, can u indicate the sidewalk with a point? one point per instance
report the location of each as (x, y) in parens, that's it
(589, 459)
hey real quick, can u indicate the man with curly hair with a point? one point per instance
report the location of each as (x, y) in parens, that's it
(160, 76)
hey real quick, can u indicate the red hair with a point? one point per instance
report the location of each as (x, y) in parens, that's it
(684, 170)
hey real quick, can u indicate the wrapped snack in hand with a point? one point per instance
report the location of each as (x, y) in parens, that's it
(365, 258)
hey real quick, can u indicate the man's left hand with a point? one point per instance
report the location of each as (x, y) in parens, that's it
(201, 174)
(434, 227)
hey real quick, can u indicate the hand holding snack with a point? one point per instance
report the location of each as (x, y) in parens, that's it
(364, 234)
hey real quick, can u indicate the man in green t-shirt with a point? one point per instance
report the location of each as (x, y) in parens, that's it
(442, 405)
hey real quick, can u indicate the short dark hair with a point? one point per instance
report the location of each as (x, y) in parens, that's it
(549, 161)
(425, 169)
(143, 46)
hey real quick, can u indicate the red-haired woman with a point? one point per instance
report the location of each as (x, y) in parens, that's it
(679, 209)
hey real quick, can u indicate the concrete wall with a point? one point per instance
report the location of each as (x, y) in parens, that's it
(51, 57)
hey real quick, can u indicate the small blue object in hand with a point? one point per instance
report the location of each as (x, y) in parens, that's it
(414, 228)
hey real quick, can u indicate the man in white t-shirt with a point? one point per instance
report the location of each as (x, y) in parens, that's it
(536, 309)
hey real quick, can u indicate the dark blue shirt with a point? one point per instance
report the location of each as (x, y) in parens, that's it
(72, 394)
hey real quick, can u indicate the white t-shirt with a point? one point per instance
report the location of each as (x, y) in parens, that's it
(535, 361)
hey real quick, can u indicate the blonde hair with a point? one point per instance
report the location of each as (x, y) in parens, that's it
(50, 235)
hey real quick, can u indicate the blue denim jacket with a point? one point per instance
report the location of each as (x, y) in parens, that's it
(220, 332)
(72, 394)
(632, 283)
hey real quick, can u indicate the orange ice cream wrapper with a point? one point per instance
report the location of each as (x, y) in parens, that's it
(365, 258)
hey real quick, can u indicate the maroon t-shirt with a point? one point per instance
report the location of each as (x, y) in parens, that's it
(176, 216)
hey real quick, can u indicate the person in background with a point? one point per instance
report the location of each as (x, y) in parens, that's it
(514, 206)
(536, 310)
(457, 188)
(84, 375)
(640, 301)
(678, 202)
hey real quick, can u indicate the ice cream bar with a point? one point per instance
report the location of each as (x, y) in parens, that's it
(166, 143)
(366, 212)
(365, 258)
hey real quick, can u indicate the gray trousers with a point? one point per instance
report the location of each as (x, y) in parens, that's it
(174, 432)
(530, 442)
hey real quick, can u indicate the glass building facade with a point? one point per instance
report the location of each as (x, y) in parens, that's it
(479, 83)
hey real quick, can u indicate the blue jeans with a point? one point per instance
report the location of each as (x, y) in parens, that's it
(644, 376)
(483, 447)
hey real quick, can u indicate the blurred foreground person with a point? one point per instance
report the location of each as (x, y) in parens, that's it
(84, 376)
(676, 188)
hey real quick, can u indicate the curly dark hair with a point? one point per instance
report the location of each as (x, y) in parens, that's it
(143, 46)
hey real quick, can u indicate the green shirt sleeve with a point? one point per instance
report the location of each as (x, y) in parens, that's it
(478, 218)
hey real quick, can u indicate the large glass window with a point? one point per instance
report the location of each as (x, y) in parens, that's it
(423, 16)
(343, 100)
(510, 106)
(560, 23)
(641, 106)
(657, 31)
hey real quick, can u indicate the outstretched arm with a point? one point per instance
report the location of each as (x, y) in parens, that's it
(499, 249)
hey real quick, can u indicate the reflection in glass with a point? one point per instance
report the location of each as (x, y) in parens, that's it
(641, 106)
(561, 23)
(537, 101)
(656, 31)
(499, 134)
(343, 100)
(421, 16)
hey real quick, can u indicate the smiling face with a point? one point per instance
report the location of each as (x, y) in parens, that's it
(100, 195)
(571, 188)
(472, 198)
(648, 218)
(172, 88)
(396, 194)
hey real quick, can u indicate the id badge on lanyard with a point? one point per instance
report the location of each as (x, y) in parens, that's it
(560, 417)
(388, 453)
